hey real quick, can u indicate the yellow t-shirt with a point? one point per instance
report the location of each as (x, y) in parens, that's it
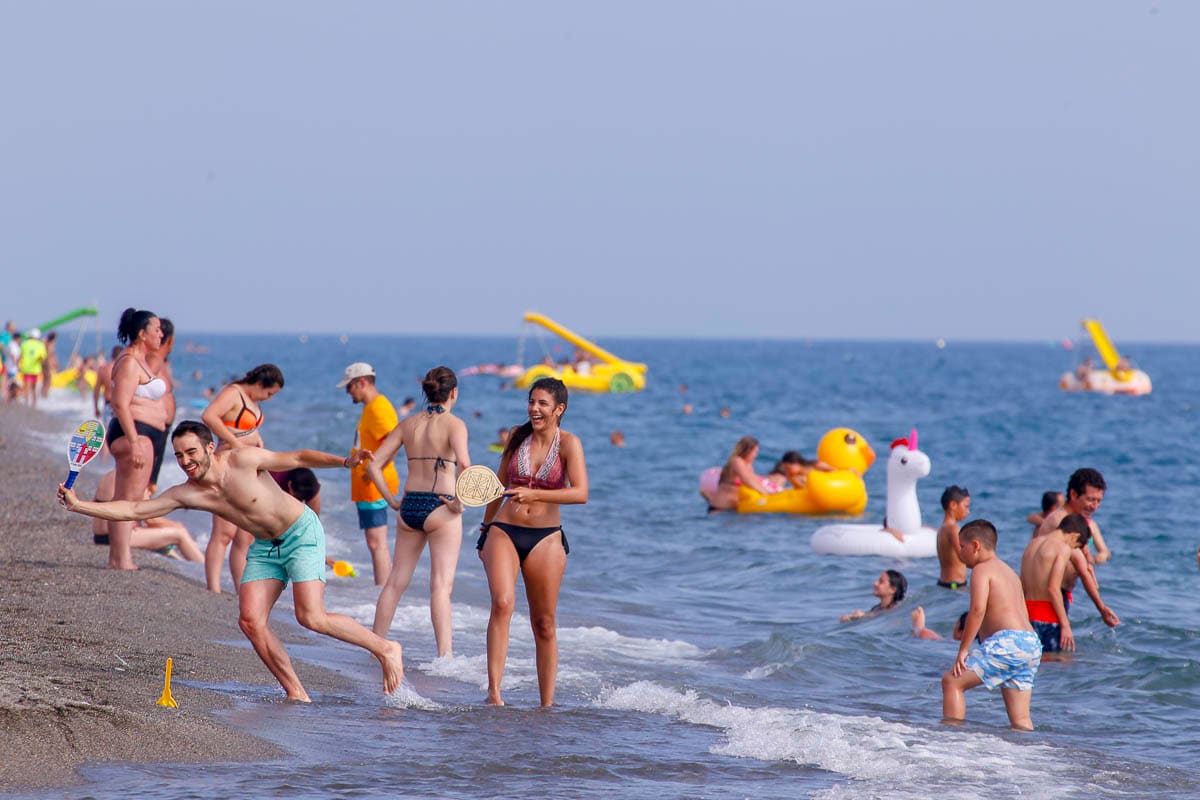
(377, 420)
(33, 353)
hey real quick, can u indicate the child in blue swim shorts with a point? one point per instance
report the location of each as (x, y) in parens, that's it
(1008, 659)
(1009, 652)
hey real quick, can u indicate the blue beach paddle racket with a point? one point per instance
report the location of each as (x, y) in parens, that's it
(84, 445)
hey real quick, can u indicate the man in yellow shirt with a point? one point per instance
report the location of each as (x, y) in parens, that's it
(33, 353)
(377, 420)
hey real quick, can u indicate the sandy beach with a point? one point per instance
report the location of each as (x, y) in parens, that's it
(84, 647)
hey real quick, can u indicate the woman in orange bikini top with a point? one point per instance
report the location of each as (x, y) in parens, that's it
(234, 415)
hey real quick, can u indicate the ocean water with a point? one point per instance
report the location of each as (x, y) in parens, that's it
(701, 656)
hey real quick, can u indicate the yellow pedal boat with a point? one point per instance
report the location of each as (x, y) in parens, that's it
(612, 374)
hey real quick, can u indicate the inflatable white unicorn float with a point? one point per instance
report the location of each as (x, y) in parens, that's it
(906, 465)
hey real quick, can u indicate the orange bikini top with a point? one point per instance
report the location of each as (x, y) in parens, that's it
(245, 423)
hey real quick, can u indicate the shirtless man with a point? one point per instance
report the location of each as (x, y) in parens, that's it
(236, 485)
(956, 503)
(1044, 567)
(1009, 653)
(1085, 491)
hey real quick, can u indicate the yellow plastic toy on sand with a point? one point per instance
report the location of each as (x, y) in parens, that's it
(839, 491)
(612, 374)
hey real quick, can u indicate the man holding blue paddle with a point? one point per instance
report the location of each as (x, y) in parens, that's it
(236, 485)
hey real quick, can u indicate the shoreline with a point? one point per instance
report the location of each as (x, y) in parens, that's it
(85, 647)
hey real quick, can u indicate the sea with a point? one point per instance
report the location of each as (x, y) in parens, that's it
(701, 656)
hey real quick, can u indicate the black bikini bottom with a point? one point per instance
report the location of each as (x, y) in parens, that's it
(115, 431)
(523, 539)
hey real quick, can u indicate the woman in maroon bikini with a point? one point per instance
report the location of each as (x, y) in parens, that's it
(542, 467)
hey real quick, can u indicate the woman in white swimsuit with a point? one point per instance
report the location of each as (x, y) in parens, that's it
(138, 419)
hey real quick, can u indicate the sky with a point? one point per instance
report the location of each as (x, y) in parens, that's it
(790, 169)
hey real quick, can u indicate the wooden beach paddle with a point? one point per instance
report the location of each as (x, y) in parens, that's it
(83, 446)
(477, 486)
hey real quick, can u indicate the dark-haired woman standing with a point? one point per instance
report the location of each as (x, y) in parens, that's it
(235, 419)
(138, 420)
(436, 443)
(543, 468)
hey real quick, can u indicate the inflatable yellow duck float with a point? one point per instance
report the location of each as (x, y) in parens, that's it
(839, 491)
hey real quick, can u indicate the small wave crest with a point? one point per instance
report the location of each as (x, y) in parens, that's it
(906, 761)
(406, 696)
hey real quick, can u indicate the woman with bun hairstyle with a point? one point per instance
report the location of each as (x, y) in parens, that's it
(543, 469)
(436, 444)
(138, 420)
(235, 418)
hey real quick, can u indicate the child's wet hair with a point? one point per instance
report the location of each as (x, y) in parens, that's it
(953, 494)
(979, 530)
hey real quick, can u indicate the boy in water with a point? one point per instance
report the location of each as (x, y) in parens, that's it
(1043, 568)
(1051, 502)
(1010, 652)
(956, 503)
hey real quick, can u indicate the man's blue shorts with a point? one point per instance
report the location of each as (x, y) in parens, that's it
(372, 514)
(297, 555)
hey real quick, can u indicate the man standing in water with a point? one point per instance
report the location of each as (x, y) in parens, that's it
(236, 485)
(1085, 492)
(377, 420)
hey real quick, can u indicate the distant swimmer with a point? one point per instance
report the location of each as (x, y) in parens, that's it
(501, 440)
(738, 471)
(890, 587)
(543, 469)
(435, 443)
(1009, 652)
(793, 468)
(921, 632)
(617, 438)
(1085, 492)
(1044, 568)
(956, 503)
(289, 542)
(1051, 501)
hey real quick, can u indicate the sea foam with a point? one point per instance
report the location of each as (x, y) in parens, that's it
(901, 761)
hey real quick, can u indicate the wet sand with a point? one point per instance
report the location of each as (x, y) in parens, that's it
(84, 647)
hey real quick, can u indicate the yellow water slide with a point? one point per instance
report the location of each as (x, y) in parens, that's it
(1106, 349)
